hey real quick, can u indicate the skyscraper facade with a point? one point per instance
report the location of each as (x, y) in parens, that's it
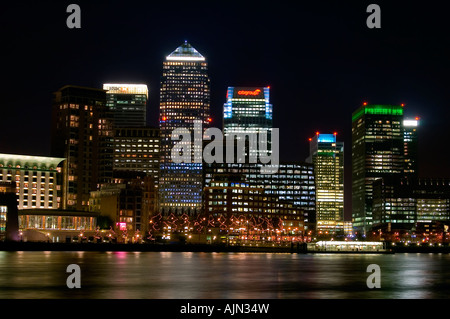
(377, 152)
(248, 111)
(327, 156)
(82, 135)
(410, 140)
(127, 104)
(136, 149)
(184, 98)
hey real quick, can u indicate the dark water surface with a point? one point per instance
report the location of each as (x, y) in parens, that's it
(187, 275)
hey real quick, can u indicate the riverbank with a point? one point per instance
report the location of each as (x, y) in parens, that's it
(175, 247)
(301, 249)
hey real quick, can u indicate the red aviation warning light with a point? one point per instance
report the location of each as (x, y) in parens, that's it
(417, 118)
(164, 118)
(209, 119)
(317, 133)
(335, 133)
(402, 105)
(310, 139)
(365, 103)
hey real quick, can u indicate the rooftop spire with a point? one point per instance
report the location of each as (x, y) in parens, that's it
(185, 52)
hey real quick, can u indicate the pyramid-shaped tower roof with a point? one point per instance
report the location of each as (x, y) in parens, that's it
(185, 52)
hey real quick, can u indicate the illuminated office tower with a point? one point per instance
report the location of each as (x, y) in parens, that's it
(248, 110)
(377, 152)
(83, 136)
(327, 155)
(136, 149)
(127, 104)
(184, 98)
(411, 146)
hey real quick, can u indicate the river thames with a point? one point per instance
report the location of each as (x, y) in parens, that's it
(198, 275)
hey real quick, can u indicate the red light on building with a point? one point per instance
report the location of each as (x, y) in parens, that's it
(310, 139)
(164, 118)
(209, 119)
(402, 105)
(244, 92)
(417, 118)
(365, 103)
(122, 226)
(335, 133)
(317, 133)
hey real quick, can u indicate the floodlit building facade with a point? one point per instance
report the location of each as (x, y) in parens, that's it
(35, 179)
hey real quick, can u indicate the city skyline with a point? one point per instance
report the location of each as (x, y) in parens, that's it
(224, 157)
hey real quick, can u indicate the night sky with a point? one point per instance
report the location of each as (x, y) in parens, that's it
(319, 58)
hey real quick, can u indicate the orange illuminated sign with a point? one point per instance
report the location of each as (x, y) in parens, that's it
(244, 92)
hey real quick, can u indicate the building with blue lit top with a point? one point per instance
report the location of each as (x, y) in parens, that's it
(327, 156)
(248, 111)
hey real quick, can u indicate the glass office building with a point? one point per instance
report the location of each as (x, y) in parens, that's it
(127, 104)
(377, 152)
(248, 111)
(404, 202)
(327, 156)
(410, 142)
(184, 98)
(293, 182)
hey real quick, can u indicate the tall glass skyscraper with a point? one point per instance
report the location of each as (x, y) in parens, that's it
(377, 152)
(327, 155)
(184, 98)
(248, 110)
(127, 104)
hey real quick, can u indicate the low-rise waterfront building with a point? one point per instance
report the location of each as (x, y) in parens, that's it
(35, 178)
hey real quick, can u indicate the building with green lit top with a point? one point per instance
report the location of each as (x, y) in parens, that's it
(377, 152)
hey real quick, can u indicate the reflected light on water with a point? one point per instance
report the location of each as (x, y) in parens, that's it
(189, 275)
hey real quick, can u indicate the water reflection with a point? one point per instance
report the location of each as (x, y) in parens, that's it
(190, 275)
